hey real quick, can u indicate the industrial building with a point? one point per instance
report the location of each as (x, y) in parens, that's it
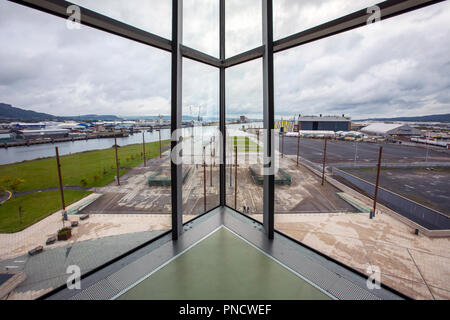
(391, 129)
(315, 123)
(44, 133)
(324, 123)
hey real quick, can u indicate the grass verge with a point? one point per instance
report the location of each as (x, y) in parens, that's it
(35, 207)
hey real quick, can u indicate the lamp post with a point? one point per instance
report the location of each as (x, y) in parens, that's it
(117, 159)
(204, 180)
(61, 189)
(143, 147)
(378, 180)
(160, 147)
(324, 161)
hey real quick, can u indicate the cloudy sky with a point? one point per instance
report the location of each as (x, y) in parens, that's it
(398, 67)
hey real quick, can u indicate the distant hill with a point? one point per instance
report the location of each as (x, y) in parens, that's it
(10, 113)
(92, 117)
(430, 118)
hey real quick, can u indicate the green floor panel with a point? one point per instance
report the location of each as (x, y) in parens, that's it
(223, 267)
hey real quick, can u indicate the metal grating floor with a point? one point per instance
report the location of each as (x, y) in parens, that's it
(333, 280)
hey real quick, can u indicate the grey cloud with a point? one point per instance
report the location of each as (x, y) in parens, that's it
(397, 67)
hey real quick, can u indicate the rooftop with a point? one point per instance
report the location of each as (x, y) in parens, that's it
(324, 118)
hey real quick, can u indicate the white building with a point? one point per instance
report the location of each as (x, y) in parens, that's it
(390, 129)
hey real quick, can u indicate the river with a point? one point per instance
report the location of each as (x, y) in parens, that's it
(18, 154)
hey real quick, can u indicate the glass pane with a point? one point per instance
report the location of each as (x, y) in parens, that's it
(154, 16)
(395, 68)
(244, 143)
(201, 170)
(243, 26)
(201, 25)
(85, 87)
(292, 16)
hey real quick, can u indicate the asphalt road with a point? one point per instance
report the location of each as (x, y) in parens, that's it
(428, 187)
(344, 151)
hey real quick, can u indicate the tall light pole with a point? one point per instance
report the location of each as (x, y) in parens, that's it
(204, 179)
(61, 189)
(143, 147)
(378, 180)
(211, 163)
(160, 147)
(324, 160)
(117, 159)
(298, 147)
(235, 178)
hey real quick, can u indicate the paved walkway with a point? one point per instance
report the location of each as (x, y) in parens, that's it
(417, 266)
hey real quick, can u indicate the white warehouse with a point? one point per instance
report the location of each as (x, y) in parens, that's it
(390, 129)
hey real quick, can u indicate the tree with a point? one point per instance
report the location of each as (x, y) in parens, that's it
(96, 178)
(15, 184)
(84, 182)
(11, 184)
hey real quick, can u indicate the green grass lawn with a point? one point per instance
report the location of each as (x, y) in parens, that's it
(42, 174)
(244, 144)
(35, 207)
(96, 167)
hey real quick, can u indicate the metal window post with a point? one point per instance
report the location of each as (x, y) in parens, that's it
(268, 103)
(176, 114)
(222, 189)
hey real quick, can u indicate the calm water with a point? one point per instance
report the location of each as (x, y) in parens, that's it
(18, 154)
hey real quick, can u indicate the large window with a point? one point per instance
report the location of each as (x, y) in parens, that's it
(389, 69)
(244, 138)
(201, 25)
(104, 101)
(292, 16)
(200, 139)
(148, 15)
(90, 89)
(243, 26)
